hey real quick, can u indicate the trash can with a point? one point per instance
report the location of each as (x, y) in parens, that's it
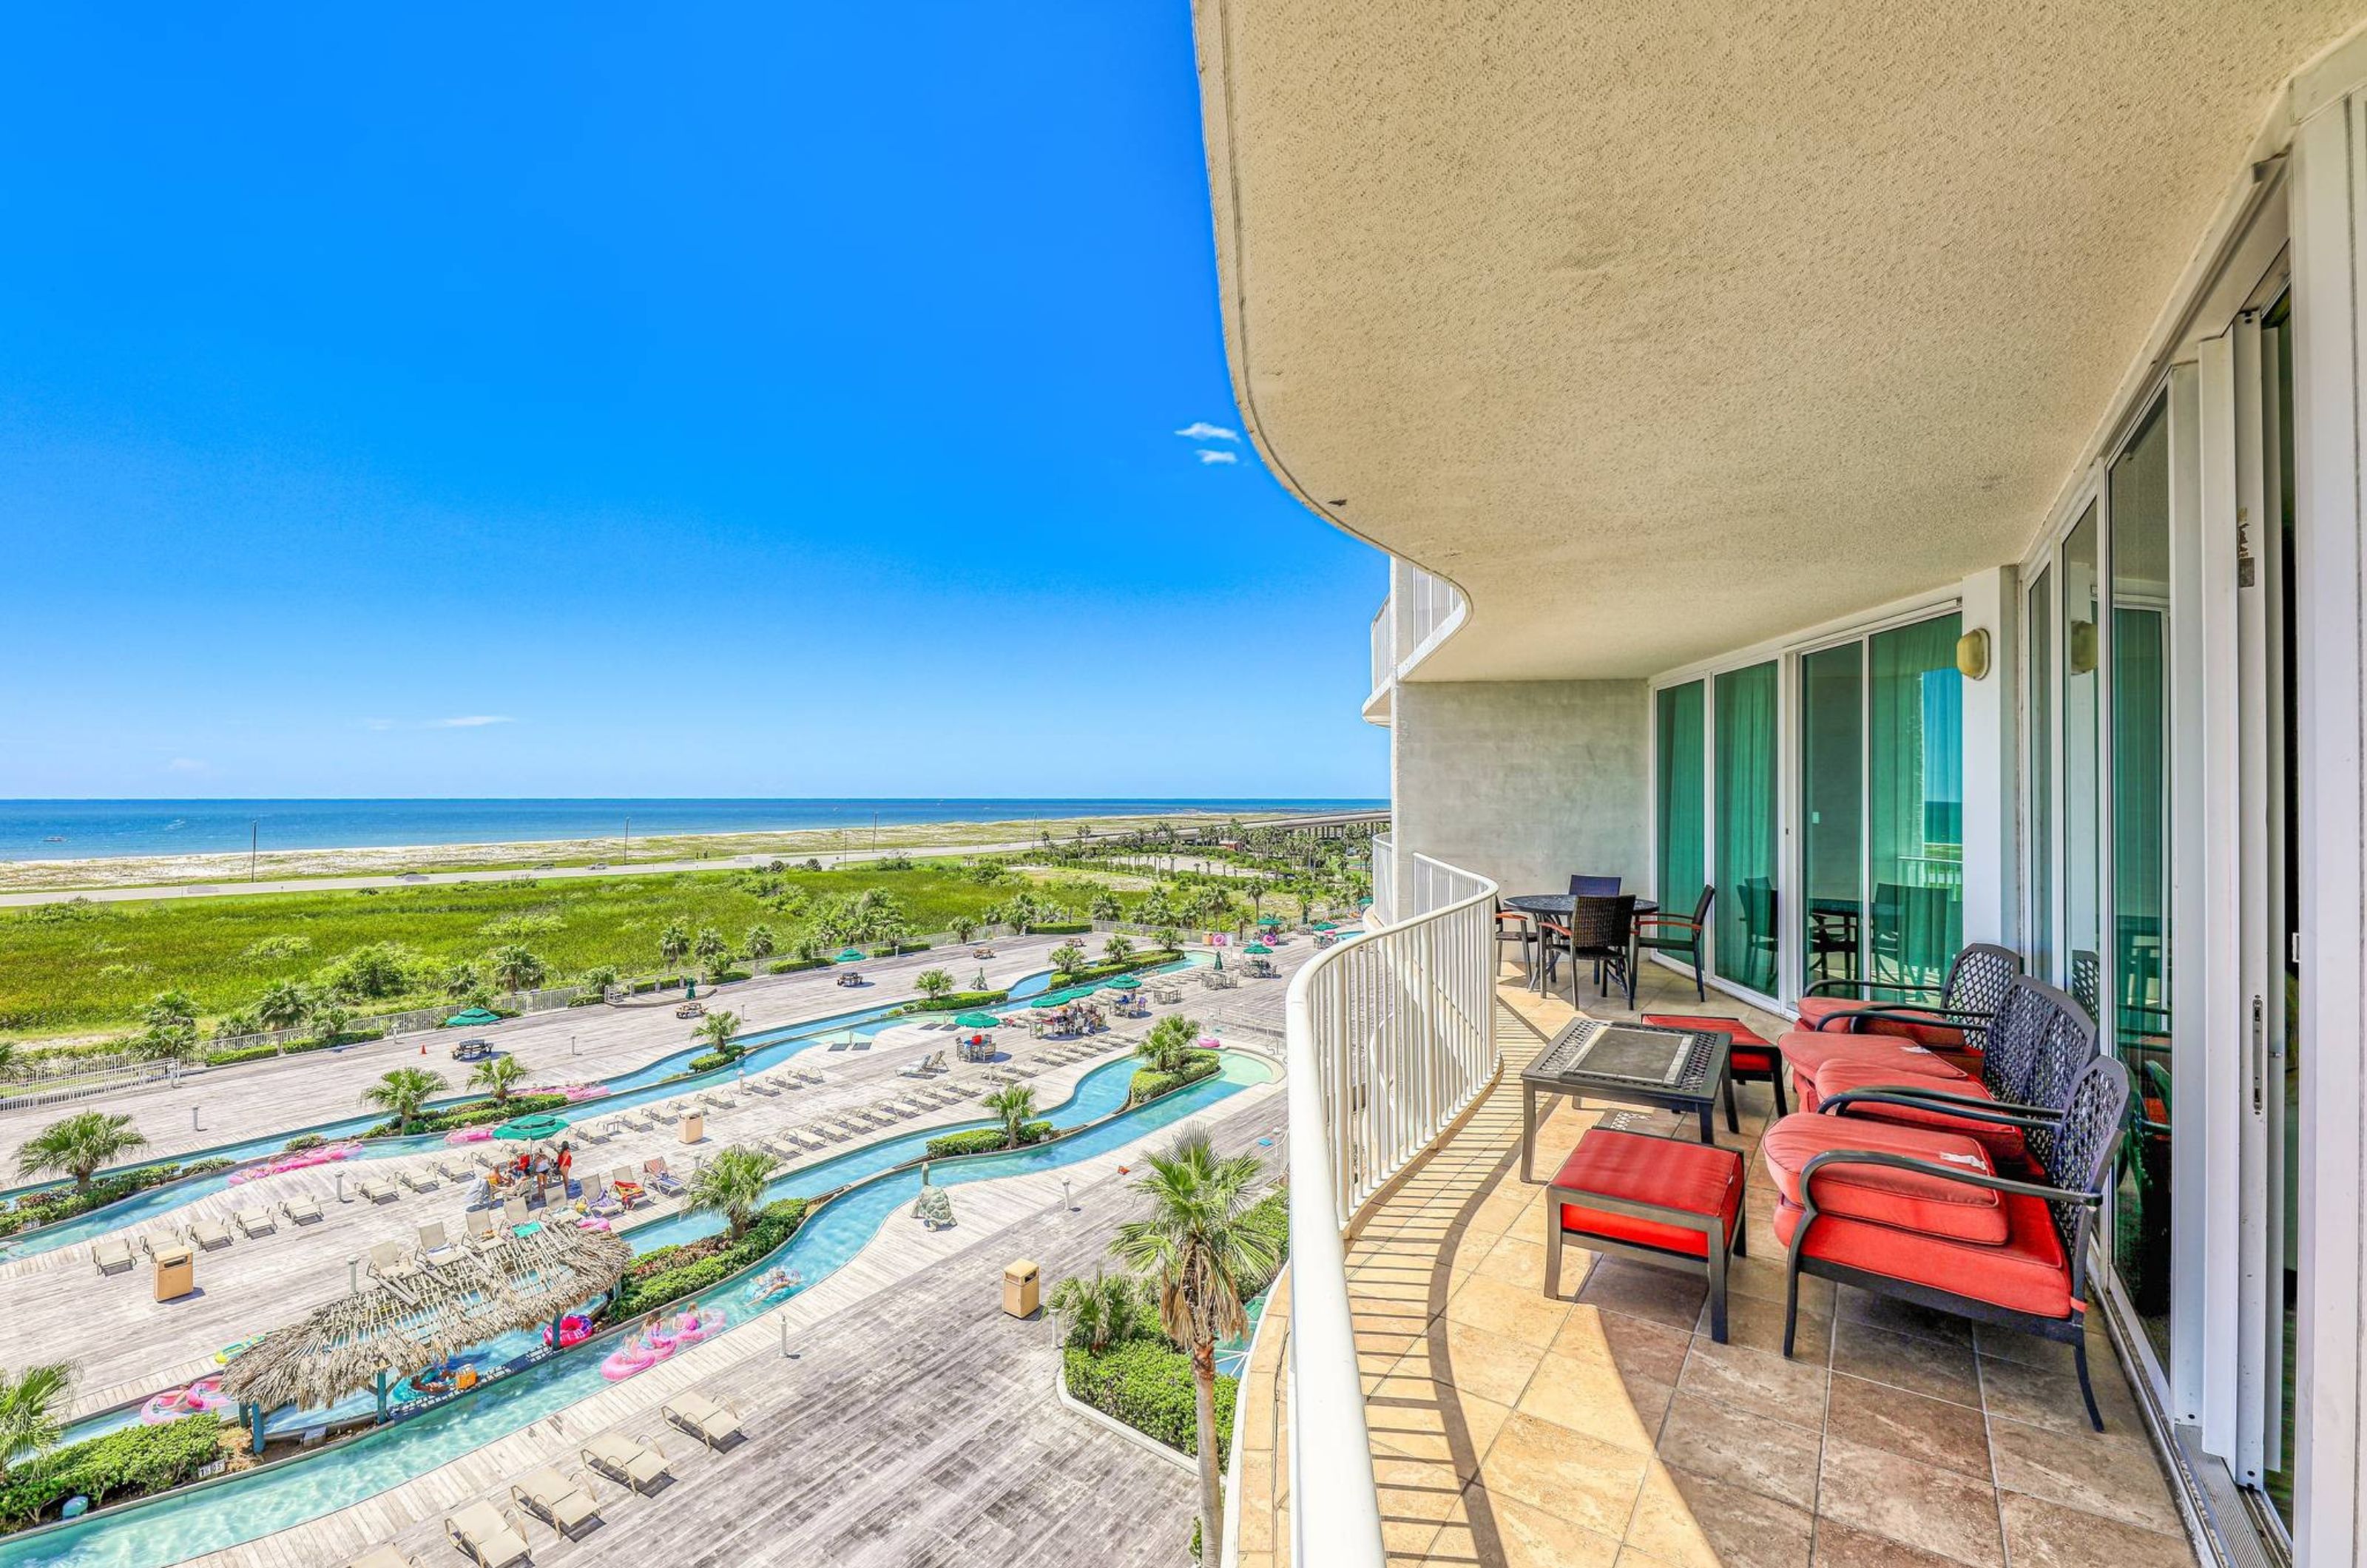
(177, 1272)
(694, 1126)
(1019, 1288)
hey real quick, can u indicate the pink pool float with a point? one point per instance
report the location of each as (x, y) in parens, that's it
(467, 1135)
(578, 1092)
(302, 1159)
(626, 1360)
(694, 1327)
(201, 1398)
(573, 1329)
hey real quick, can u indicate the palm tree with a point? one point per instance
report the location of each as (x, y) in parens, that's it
(330, 1019)
(710, 947)
(1196, 1249)
(30, 1405)
(1015, 1103)
(1170, 1040)
(961, 926)
(932, 982)
(282, 1004)
(513, 968)
(732, 1185)
(673, 942)
(1068, 958)
(498, 1074)
(760, 942)
(1118, 950)
(78, 1147)
(403, 1092)
(719, 1030)
(1099, 1310)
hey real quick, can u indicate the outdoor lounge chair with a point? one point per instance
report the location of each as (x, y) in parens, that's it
(383, 1557)
(486, 1229)
(111, 1253)
(302, 1209)
(434, 1248)
(453, 1171)
(209, 1235)
(491, 1537)
(418, 1181)
(712, 1422)
(762, 1086)
(388, 1264)
(624, 1461)
(515, 1213)
(253, 1222)
(564, 1504)
(378, 1190)
(629, 1193)
(661, 1178)
(722, 1101)
(595, 1133)
(1921, 1215)
(1951, 1017)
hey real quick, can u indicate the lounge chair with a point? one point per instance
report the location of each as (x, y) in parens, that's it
(661, 1178)
(211, 1235)
(710, 1421)
(418, 1181)
(629, 1191)
(302, 1209)
(383, 1557)
(624, 1461)
(564, 1504)
(111, 1253)
(253, 1222)
(388, 1264)
(599, 1133)
(153, 1242)
(721, 1101)
(378, 1190)
(453, 1171)
(764, 1087)
(493, 1538)
(435, 1246)
(517, 1214)
(485, 1230)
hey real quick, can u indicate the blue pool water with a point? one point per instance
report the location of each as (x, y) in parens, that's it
(173, 1528)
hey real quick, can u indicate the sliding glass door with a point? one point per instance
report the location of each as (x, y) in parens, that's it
(1678, 799)
(1746, 942)
(1832, 813)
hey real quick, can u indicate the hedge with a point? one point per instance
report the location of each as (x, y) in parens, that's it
(128, 1463)
(1150, 1083)
(1147, 1383)
(795, 966)
(293, 1048)
(1270, 1217)
(958, 1001)
(775, 1223)
(1066, 927)
(986, 1140)
(474, 1114)
(64, 1203)
(708, 1061)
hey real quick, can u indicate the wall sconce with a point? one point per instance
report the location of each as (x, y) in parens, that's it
(1973, 654)
(2082, 648)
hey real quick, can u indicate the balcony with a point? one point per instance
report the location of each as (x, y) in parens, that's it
(1421, 611)
(1486, 1423)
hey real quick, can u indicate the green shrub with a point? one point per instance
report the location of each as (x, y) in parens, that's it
(638, 1292)
(958, 1001)
(303, 1141)
(128, 1463)
(1270, 1217)
(796, 965)
(1105, 970)
(1150, 1083)
(1147, 1383)
(985, 1140)
(476, 1114)
(1061, 928)
(64, 1203)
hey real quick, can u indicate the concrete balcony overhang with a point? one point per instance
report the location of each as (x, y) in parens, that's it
(1663, 331)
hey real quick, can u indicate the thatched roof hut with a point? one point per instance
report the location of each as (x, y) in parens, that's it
(405, 1324)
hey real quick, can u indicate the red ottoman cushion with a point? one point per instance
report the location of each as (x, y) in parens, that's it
(1750, 1051)
(2026, 1274)
(1693, 1178)
(1906, 1199)
(2004, 1144)
(1814, 1011)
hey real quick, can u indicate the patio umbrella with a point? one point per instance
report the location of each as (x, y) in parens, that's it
(1258, 947)
(473, 1017)
(852, 955)
(532, 1129)
(976, 1020)
(1123, 983)
(1270, 920)
(1326, 926)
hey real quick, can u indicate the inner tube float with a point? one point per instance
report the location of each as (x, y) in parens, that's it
(573, 1329)
(467, 1135)
(777, 1284)
(702, 1325)
(201, 1397)
(625, 1360)
(660, 1343)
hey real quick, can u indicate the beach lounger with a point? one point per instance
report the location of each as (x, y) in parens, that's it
(559, 1501)
(302, 1209)
(597, 1132)
(153, 1242)
(493, 1538)
(623, 1460)
(387, 1264)
(515, 1213)
(629, 1191)
(710, 1421)
(721, 1101)
(418, 1181)
(111, 1253)
(655, 1173)
(208, 1235)
(435, 1246)
(253, 1222)
(383, 1557)
(485, 1230)
(453, 1171)
(764, 1086)
(378, 1190)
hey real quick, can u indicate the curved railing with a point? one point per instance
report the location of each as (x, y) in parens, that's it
(1388, 1038)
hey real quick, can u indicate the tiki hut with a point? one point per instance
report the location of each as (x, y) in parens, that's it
(405, 1322)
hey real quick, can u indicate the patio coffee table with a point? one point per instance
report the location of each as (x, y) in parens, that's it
(1635, 1064)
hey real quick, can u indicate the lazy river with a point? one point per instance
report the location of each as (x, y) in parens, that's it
(240, 1509)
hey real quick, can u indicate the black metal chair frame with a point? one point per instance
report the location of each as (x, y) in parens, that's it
(1978, 977)
(2088, 1137)
(1715, 1246)
(1600, 928)
(1694, 946)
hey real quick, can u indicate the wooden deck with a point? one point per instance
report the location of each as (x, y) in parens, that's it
(911, 1423)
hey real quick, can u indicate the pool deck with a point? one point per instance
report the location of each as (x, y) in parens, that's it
(126, 1345)
(911, 1423)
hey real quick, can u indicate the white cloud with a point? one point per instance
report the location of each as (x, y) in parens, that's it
(1201, 430)
(470, 721)
(1211, 455)
(378, 723)
(185, 765)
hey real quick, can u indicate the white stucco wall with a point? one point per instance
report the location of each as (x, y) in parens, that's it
(1523, 781)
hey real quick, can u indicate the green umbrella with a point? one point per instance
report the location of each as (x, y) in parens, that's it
(1271, 920)
(1326, 926)
(532, 1129)
(852, 955)
(473, 1018)
(1257, 947)
(976, 1020)
(1123, 983)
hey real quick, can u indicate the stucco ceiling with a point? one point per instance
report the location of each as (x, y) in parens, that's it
(1662, 326)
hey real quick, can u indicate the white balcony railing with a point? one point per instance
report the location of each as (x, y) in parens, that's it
(1384, 648)
(1385, 881)
(1436, 602)
(1388, 1037)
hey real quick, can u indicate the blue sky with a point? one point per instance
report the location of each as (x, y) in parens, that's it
(730, 401)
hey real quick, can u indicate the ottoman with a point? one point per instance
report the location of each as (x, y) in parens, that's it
(1676, 1205)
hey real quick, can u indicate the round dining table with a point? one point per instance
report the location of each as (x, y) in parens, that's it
(1555, 906)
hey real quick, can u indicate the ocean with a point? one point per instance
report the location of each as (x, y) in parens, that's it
(87, 830)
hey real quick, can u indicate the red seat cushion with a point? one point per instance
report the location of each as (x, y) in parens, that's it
(1906, 1199)
(1814, 1011)
(2004, 1144)
(1806, 1051)
(1691, 1179)
(2025, 1274)
(1750, 1051)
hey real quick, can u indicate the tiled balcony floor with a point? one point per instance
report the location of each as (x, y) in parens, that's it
(1608, 1428)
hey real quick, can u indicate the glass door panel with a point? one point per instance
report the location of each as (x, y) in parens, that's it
(2040, 845)
(1915, 803)
(1747, 826)
(2082, 792)
(1833, 783)
(1678, 808)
